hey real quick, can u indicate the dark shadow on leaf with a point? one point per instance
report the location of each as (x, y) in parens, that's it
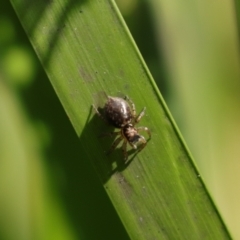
(105, 164)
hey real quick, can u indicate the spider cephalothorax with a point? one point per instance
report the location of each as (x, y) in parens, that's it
(121, 113)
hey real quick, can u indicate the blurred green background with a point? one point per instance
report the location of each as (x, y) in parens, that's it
(192, 51)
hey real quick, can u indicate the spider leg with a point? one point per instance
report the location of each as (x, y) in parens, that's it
(144, 129)
(132, 105)
(140, 115)
(99, 114)
(115, 144)
(141, 140)
(124, 150)
(144, 143)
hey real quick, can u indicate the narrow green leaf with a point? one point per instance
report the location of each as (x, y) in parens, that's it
(85, 49)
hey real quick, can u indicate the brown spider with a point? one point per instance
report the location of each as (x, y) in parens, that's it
(121, 113)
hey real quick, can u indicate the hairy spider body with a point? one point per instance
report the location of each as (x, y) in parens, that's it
(121, 113)
(118, 112)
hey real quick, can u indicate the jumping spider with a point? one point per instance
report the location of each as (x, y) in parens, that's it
(121, 113)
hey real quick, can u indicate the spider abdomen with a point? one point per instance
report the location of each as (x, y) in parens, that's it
(118, 112)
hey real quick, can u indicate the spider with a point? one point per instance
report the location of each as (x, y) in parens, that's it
(121, 113)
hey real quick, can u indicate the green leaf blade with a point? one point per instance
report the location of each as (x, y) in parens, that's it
(85, 49)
